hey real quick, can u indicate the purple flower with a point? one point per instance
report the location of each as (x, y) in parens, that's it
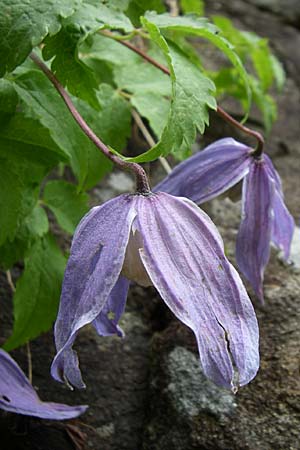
(18, 396)
(168, 242)
(208, 173)
(265, 218)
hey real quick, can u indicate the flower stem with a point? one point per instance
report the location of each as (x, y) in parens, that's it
(220, 111)
(142, 182)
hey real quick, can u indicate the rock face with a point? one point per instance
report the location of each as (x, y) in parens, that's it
(147, 391)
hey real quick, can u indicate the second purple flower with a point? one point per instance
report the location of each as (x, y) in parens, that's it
(265, 218)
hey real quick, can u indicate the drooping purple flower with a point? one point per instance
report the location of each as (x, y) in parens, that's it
(18, 396)
(265, 218)
(208, 173)
(168, 242)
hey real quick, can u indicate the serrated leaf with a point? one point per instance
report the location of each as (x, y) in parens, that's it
(33, 227)
(25, 24)
(191, 98)
(64, 46)
(154, 108)
(199, 26)
(37, 292)
(66, 203)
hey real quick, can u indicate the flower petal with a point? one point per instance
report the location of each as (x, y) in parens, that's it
(184, 257)
(209, 172)
(283, 225)
(254, 236)
(96, 260)
(18, 396)
(106, 323)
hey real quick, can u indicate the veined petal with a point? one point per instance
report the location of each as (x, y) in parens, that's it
(106, 323)
(18, 396)
(254, 236)
(209, 172)
(184, 257)
(96, 260)
(283, 225)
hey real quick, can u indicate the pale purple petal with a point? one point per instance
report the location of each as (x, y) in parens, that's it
(209, 172)
(184, 256)
(283, 226)
(96, 260)
(18, 396)
(106, 323)
(254, 236)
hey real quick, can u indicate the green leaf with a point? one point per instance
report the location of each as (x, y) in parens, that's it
(137, 8)
(24, 24)
(265, 103)
(8, 97)
(192, 6)
(43, 104)
(191, 98)
(34, 226)
(17, 126)
(154, 108)
(37, 292)
(66, 203)
(199, 26)
(70, 70)
(278, 72)
(141, 78)
(20, 176)
(112, 124)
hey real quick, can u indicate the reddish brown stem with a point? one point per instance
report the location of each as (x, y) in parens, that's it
(222, 113)
(141, 177)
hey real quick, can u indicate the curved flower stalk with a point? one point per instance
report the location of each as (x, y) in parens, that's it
(168, 242)
(18, 396)
(265, 218)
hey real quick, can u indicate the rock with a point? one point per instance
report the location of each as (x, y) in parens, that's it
(191, 393)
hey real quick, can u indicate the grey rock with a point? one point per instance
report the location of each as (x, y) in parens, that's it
(190, 391)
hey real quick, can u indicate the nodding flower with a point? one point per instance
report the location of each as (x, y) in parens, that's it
(170, 243)
(265, 217)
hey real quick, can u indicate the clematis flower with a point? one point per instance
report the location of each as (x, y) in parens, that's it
(18, 396)
(167, 242)
(208, 173)
(265, 218)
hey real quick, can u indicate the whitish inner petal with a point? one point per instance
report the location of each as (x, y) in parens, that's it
(133, 267)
